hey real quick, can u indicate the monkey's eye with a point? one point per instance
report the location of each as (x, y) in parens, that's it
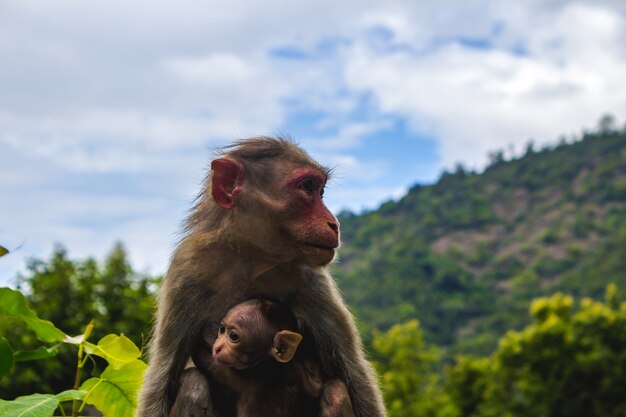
(222, 328)
(322, 192)
(234, 336)
(309, 185)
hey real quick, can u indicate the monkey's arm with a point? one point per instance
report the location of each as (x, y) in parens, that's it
(335, 401)
(309, 376)
(333, 394)
(322, 310)
(194, 396)
(178, 327)
(170, 348)
(187, 300)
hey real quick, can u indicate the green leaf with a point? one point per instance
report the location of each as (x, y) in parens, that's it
(13, 303)
(3, 251)
(6, 356)
(115, 392)
(117, 350)
(37, 354)
(37, 405)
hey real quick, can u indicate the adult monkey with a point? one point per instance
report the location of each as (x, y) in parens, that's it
(258, 229)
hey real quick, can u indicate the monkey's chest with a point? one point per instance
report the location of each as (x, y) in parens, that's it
(272, 390)
(285, 293)
(279, 400)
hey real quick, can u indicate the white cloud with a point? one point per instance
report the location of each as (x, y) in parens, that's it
(349, 135)
(477, 100)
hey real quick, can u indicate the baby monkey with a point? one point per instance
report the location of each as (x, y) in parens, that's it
(256, 354)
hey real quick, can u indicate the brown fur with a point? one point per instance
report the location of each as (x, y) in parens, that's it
(255, 247)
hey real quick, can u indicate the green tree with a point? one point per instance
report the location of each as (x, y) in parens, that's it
(606, 124)
(467, 384)
(406, 368)
(71, 293)
(60, 289)
(124, 299)
(568, 363)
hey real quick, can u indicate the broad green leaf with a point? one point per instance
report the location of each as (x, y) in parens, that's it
(115, 392)
(3, 251)
(37, 354)
(6, 356)
(37, 405)
(13, 303)
(117, 350)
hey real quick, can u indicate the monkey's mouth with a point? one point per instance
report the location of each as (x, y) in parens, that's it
(318, 254)
(329, 243)
(323, 250)
(235, 364)
(322, 247)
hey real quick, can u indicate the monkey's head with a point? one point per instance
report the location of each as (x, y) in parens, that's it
(254, 331)
(273, 193)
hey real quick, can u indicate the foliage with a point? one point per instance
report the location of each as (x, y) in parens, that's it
(466, 255)
(569, 362)
(405, 365)
(13, 304)
(38, 405)
(114, 392)
(71, 293)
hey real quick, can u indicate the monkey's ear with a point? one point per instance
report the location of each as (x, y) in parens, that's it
(226, 181)
(285, 345)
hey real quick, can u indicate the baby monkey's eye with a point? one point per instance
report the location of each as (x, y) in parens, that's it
(222, 328)
(234, 336)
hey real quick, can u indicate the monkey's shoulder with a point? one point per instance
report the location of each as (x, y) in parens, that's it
(199, 256)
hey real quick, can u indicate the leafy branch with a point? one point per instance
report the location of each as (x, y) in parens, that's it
(114, 392)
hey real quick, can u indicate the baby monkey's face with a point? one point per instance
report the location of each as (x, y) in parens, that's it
(246, 337)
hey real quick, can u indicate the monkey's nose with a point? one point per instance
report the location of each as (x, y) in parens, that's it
(334, 226)
(216, 350)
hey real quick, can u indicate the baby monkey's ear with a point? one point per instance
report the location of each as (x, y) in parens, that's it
(285, 345)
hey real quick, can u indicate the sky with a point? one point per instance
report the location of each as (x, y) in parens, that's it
(110, 111)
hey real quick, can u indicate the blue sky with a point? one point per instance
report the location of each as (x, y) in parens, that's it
(109, 111)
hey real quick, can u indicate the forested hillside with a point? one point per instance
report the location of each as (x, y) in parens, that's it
(466, 255)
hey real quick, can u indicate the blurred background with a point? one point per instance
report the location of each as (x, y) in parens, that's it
(480, 158)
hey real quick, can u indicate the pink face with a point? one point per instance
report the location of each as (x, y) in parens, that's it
(227, 350)
(308, 219)
(292, 222)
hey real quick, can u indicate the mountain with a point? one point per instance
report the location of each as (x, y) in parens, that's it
(465, 256)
